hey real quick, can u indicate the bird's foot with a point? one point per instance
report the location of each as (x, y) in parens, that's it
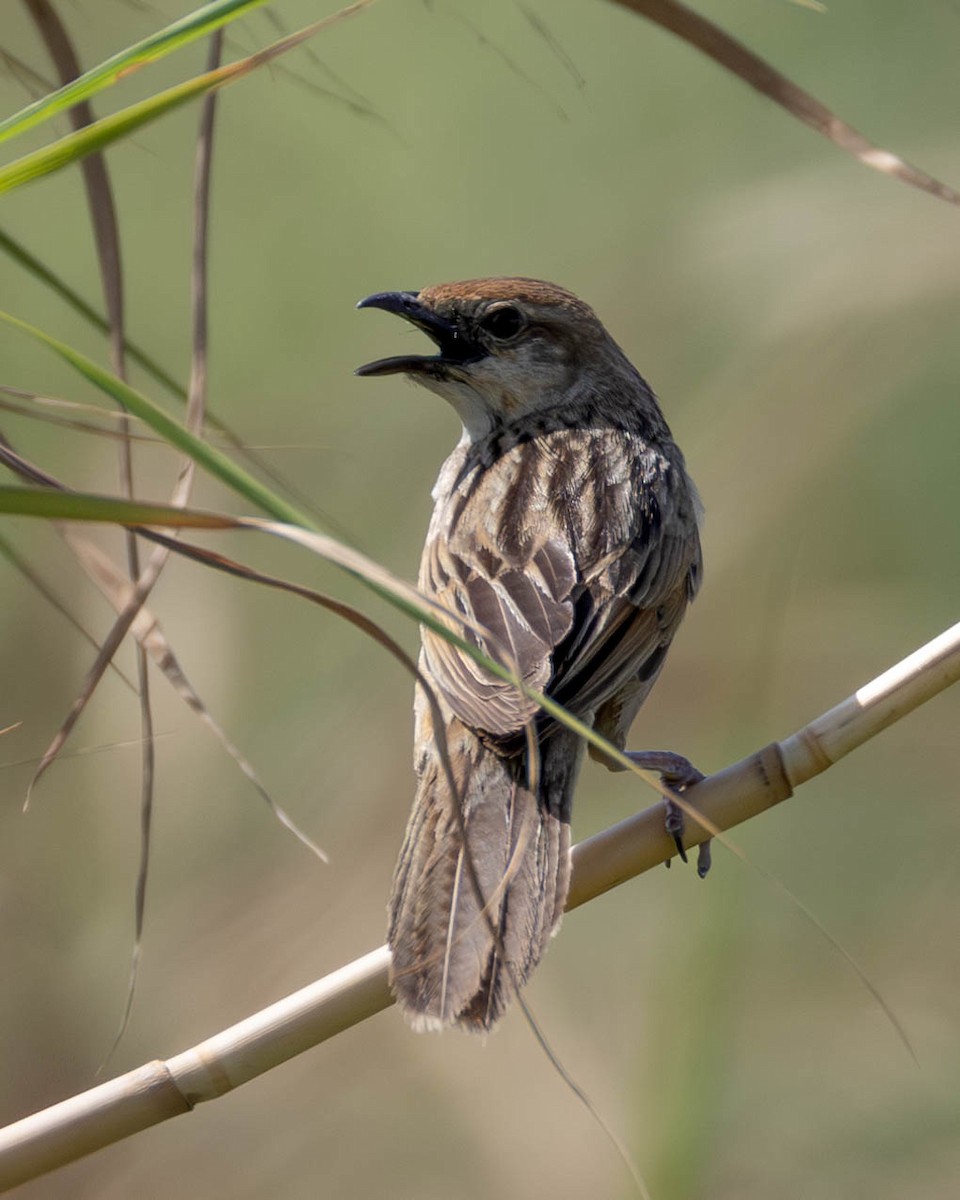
(678, 773)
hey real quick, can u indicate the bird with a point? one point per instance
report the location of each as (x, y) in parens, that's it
(564, 545)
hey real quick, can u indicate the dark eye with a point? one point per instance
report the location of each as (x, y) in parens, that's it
(502, 323)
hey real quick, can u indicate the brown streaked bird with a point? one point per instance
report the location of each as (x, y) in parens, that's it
(566, 527)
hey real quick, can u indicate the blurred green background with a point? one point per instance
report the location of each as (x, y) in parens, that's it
(798, 314)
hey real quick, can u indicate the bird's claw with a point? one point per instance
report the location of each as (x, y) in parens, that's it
(674, 824)
(678, 773)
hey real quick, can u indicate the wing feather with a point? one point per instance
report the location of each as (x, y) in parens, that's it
(577, 553)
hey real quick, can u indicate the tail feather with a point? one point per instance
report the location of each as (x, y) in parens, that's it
(446, 939)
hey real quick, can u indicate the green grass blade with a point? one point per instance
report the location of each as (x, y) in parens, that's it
(170, 429)
(55, 505)
(79, 506)
(188, 29)
(48, 278)
(102, 133)
(38, 502)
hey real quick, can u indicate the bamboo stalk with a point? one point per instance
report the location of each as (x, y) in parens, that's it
(160, 1090)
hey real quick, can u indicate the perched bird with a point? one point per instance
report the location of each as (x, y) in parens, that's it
(565, 532)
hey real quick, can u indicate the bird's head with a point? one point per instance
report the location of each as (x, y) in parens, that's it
(506, 348)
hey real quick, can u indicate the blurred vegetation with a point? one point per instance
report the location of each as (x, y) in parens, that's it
(798, 315)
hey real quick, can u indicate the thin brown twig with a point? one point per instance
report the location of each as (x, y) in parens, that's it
(196, 408)
(103, 216)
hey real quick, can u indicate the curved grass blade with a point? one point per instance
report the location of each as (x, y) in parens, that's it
(803, 764)
(42, 272)
(190, 28)
(83, 506)
(171, 430)
(110, 129)
(146, 629)
(734, 56)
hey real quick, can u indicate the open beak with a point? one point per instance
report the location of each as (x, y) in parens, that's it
(454, 348)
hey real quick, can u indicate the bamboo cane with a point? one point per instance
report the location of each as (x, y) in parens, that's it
(159, 1090)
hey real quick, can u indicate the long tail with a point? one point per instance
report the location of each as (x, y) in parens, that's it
(447, 968)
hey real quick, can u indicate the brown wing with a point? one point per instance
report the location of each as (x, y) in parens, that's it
(527, 613)
(578, 552)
